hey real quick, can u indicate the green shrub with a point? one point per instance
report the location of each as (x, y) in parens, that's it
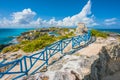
(38, 43)
(12, 48)
(97, 33)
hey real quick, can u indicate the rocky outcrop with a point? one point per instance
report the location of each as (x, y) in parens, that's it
(4, 45)
(71, 67)
(107, 66)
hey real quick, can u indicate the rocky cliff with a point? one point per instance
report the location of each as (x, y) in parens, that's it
(107, 66)
(102, 66)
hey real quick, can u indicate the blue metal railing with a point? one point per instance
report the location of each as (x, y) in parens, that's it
(44, 56)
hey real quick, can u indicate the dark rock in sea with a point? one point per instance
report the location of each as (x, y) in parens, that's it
(4, 45)
(11, 36)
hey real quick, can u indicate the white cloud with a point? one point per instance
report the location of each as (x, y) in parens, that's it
(110, 21)
(23, 17)
(75, 19)
(26, 18)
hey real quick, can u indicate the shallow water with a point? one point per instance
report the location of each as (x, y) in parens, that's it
(110, 30)
(8, 35)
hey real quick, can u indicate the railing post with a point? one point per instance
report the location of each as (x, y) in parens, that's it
(30, 62)
(79, 39)
(72, 42)
(89, 33)
(61, 47)
(21, 69)
(25, 64)
(46, 51)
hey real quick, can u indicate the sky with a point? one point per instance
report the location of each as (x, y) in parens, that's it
(63, 13)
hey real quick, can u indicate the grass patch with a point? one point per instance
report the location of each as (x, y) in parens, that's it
(77, 54)
(97, 33)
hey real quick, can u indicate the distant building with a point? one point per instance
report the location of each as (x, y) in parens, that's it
(81, 29)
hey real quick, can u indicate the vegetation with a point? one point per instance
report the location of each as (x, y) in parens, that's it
(97, 33)
(37, 43)
(77, 54)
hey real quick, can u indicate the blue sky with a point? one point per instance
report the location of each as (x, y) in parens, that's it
(39, 13)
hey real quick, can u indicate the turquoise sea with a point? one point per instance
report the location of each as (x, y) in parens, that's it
(110, 30)
(8, 35)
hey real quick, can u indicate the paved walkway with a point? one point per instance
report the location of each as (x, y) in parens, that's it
(92, 49)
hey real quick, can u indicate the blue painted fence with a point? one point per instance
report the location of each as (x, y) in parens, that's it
(44, 56)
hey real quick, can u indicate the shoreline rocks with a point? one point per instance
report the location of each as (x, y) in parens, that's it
(4, 45)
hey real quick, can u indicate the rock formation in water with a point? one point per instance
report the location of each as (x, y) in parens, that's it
(4, 45)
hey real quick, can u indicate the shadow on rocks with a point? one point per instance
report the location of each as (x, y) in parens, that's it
(107, 66)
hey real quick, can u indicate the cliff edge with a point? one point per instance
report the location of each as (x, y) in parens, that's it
(98, 61)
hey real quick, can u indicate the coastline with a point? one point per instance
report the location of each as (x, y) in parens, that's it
(113, 32)
(38, 36)
(117, 31)
(71, 62)
(10, 37)
(9, 34)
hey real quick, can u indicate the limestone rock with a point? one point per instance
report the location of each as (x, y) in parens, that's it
(71, 67)
(107, 67)
(63, 76)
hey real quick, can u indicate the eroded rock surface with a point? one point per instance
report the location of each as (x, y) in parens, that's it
(103, 66)
(107, 67)
(71, 67)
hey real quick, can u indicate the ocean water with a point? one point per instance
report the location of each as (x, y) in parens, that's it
(8, 35)
(110, 30)
(53, 33)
